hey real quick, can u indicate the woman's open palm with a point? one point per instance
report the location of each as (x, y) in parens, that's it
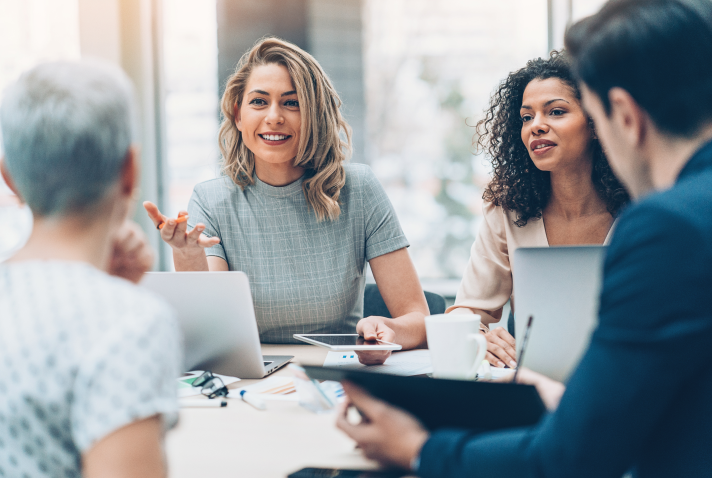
(175, 233)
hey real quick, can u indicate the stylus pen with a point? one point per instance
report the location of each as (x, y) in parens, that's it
(524, 347)
(178, 221)
(253, 399)
(201, 403)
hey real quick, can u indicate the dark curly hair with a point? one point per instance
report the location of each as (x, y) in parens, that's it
(517, 184)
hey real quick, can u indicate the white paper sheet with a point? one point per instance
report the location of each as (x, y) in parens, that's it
(410, 362)
(487, 372)
(271, 388)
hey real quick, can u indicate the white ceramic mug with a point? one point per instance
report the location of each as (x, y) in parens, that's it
(456, 345)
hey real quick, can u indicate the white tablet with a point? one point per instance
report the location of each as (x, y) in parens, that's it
(341, 342)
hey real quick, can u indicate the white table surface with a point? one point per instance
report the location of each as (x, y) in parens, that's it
(239, 440)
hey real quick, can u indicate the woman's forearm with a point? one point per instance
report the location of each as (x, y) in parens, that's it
(410, 330)
(486, 318)
(194, 260)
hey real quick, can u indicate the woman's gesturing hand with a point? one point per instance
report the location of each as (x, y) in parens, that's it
(501, 349)
(175, 233)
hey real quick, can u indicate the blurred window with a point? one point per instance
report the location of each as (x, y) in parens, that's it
(584, 8)
(430, 70)
(192, 102)
(31, 31)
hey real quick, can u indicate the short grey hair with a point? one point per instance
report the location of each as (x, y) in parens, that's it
(67, 128)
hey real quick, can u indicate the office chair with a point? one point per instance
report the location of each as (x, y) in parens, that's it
(373, 303)
(510, 323)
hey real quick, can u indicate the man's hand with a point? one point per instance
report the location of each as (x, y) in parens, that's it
(374, 328)
(549, 390)
(501, 349)
(386, 434)
(132, 256)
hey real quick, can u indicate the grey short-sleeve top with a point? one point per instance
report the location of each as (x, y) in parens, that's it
(306, 276)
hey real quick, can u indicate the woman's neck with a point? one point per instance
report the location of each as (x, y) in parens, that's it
(277, 174)
(69, 239)
(573, 194)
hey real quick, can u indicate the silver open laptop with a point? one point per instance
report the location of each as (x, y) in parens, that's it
(217, 317)
(559, 287)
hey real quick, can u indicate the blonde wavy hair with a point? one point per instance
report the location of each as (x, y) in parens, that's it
(322, 151)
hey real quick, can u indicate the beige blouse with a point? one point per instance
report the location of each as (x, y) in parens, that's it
(487, 282)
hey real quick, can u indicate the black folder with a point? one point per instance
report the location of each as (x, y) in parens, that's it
(440, 403)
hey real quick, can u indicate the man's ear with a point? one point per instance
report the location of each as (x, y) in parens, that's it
(130, 171)
(6, 177)
(627, 115)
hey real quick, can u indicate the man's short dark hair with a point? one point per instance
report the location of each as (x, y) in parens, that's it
(659, 51)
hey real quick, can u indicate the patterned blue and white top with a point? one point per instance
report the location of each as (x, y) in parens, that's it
(82, 354)
(306, 276)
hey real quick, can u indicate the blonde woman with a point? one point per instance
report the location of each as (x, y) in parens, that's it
(292, 215)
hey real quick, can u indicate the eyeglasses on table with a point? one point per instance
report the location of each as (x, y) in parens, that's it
(210, 385)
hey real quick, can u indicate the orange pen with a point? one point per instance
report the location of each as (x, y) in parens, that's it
(178, 221)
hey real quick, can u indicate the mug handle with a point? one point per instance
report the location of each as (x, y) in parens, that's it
(481, 351)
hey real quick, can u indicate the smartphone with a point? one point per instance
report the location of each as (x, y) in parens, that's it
(344, 342)
(335, 473)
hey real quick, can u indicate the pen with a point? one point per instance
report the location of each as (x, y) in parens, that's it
(524, 346)
(253, 400)
(201, 403)
(178, 220)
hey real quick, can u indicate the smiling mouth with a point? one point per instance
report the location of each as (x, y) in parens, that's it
(542, 148)
(274, 137)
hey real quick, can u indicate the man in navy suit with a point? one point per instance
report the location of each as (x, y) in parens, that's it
(641, 398)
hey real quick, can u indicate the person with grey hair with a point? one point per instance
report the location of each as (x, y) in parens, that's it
(88, 359)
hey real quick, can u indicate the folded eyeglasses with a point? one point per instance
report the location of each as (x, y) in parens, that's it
(210, 385)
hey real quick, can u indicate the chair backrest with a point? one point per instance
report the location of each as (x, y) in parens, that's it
(373, 303)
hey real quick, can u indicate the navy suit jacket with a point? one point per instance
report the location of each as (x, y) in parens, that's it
(641, 397)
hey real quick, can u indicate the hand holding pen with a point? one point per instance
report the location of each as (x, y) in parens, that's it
(174, 231)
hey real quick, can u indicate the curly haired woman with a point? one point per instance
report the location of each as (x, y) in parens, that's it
(551, 186)
(290, 214)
